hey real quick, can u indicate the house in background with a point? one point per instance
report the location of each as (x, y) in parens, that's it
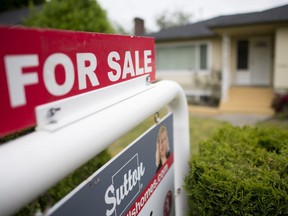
(248, 51)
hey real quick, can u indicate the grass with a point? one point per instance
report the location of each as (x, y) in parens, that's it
(125, 140)
(200, 129)
(275, 122)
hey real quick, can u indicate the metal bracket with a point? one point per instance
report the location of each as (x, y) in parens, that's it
(58, 114)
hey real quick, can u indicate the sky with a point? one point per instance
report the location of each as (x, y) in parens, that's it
(123, 12)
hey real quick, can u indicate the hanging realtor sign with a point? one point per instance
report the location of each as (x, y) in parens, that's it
(139, 181)
(38, 66)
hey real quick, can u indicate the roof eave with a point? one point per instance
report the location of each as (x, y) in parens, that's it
(184, 38)
(213, 27)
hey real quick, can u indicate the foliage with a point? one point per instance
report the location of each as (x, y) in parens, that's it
(274, 122)
(201, 129)
(240, 171)
(15, 135)
(7, 5)
(84, 15)
(280, 105)
(176, 18)
(129, 137)
(211, 83)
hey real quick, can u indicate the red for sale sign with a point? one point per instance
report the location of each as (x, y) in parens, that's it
(38, 66)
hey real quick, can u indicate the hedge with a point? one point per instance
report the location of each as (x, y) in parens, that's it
(240, 171)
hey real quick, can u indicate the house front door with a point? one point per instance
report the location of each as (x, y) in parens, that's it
(243, 76)
(253, 62)
(260, 61)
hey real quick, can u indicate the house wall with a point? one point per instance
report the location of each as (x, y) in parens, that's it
(281, 60)
(216, 63)
(194, 79)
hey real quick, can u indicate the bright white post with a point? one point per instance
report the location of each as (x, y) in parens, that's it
(226, 43)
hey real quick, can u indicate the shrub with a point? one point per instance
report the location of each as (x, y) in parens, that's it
(280, 105)
(240, 171)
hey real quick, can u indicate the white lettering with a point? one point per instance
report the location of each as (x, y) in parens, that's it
(86, 71)
(110, 200)
(163, 173)
(147, 61)
(129, 62)
(125, 183)
(17, 80)
(130, 180)
(50, 77)
(19, 77)
(128, 67)
(112, 58)
(139, 70)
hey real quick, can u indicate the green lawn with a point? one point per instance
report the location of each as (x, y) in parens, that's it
(275, 122)
(125, 140)
(200, 129)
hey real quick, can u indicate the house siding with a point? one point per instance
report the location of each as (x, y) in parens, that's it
(216, 61)
(281, 60)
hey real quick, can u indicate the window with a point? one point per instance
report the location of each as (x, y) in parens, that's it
(203, 56)
(189, 57)
(242, 54)
(176, 58)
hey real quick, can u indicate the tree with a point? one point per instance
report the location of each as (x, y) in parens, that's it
(171, 19)
(84, 15)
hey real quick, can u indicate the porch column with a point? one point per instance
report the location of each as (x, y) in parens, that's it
(226, 47)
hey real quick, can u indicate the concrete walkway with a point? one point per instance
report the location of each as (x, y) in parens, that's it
(237, 119)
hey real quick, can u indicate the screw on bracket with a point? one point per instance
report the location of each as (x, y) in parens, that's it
(148, 80)
(51, 113)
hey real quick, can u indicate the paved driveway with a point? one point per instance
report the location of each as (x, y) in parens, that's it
(237, 119)
(241, 119)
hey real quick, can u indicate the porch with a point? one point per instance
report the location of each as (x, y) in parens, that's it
(246, 99)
